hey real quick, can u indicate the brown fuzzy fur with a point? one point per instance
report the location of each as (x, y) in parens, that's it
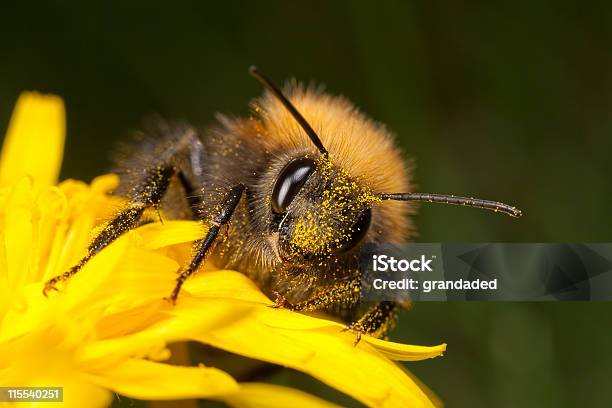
(357, 144)
(363, 160)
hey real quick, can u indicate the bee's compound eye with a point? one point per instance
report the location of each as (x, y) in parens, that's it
(359, 230)
(289, 182)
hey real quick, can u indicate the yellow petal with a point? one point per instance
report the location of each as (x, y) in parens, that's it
(80, 295)
(144, 379)
(18, 236)
(234, 285)
(225, 284)
(81, 393)
(258, 395)
(105, 183)
(158, 235)
(323, 353)
(34, 142)
(311, 345)
(405, 352)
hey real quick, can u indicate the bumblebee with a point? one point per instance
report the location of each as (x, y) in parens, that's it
(288, 196)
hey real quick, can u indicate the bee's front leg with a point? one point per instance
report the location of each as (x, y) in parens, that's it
(201, 248)
(147, 192)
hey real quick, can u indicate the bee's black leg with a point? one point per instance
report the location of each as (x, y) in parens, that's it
(147, 193)
(345, 293)
(376, 321)
(201, 247)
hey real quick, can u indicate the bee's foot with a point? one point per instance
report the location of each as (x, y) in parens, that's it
(49, 286)
(356, 328)
(281, 302)
(171, 299)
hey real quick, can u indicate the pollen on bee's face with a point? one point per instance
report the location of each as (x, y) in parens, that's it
(329, 223)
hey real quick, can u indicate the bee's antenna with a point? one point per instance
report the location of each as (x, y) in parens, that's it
(257, 74)
(451, 199)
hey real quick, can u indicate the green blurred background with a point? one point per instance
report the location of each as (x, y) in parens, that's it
(500, 100)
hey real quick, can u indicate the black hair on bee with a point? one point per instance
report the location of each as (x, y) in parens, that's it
(306, 181)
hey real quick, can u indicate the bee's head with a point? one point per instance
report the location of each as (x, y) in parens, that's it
(318, 211)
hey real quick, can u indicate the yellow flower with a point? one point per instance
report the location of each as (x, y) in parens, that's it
(108, 330)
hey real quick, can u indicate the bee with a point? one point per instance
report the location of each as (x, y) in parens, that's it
(288, 196)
